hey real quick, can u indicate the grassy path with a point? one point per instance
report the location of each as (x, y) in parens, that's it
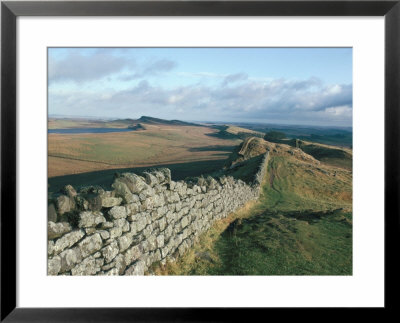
(301, 225)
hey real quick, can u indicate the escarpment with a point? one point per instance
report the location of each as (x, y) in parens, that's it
(142, 220)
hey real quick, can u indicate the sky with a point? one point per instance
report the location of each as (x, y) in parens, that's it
(305, 86)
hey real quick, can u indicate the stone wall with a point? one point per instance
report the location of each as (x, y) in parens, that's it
(144, 219)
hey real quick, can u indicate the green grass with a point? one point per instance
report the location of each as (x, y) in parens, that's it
(275, 243)
(246, 170)
(335, 157)
(301, 225)
(329, 155)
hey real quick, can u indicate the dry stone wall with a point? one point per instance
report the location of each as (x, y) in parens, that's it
(144, 219)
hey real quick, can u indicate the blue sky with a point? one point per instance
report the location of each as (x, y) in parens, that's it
(311, 86)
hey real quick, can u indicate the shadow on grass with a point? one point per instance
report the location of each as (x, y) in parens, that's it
(213, 148)
(105, 178)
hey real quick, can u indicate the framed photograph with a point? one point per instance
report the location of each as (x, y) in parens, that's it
(189, 155)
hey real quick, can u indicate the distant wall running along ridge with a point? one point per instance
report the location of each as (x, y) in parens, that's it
(143, 220)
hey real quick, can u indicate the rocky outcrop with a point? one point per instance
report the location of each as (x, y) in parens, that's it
(254, 146)
(143, 220)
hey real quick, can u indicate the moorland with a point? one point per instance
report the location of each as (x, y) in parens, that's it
(301, 224)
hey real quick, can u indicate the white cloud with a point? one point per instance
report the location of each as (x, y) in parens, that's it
(78, 68)
(344, 111)
(305, 101)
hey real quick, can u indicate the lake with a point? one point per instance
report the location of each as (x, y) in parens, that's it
(88, 130)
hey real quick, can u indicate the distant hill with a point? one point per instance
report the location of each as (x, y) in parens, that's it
(157, 121)
(231, 132)
(337, 136)
(134, 124)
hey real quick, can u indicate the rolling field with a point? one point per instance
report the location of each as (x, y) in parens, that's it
(301, 225)
(157, 145)
(69, 123)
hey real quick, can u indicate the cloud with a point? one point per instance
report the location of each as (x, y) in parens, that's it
(344, 111)
(78, 67)
(235, 78)
(306, 101)
(150, 69)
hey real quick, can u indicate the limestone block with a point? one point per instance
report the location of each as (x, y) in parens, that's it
(158, 189)
(171, 207)
(168, 232)
(171, 217)
(69, 191)
(122, 190)
(112, 272)
(50, 247)
(64, 204)
(172, 185)
(185, 210)
(178, 206)
(88, 266)
(120, 264)
(53, 265)
(167, 175)
(56, 230)
(107, 225)
(115, 232)
(148, 230)
(135, 183)
(160, 241)
(137, 269)
(164, 252)
(133, 208)
(122, 223)
(141, 223)
(118, 212)
(184, 222)
(110, 252)
(104, 234)
(89, 219)
(68, 240)
(90, 245)
(148, 204)
(152, 240)
(69, 258)
(150, 179)
(110, 201)
(124, 242)
(144, 246)
(132, 254)
(162, 224)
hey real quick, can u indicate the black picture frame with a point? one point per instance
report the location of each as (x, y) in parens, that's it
(10, 10)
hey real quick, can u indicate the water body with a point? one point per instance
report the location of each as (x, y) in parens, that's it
(88, 130)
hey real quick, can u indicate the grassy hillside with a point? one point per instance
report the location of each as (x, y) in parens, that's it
(327, 154)
(234, 132)
(342, 137)
(301, 225)
(154, 145)
(331, 155)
